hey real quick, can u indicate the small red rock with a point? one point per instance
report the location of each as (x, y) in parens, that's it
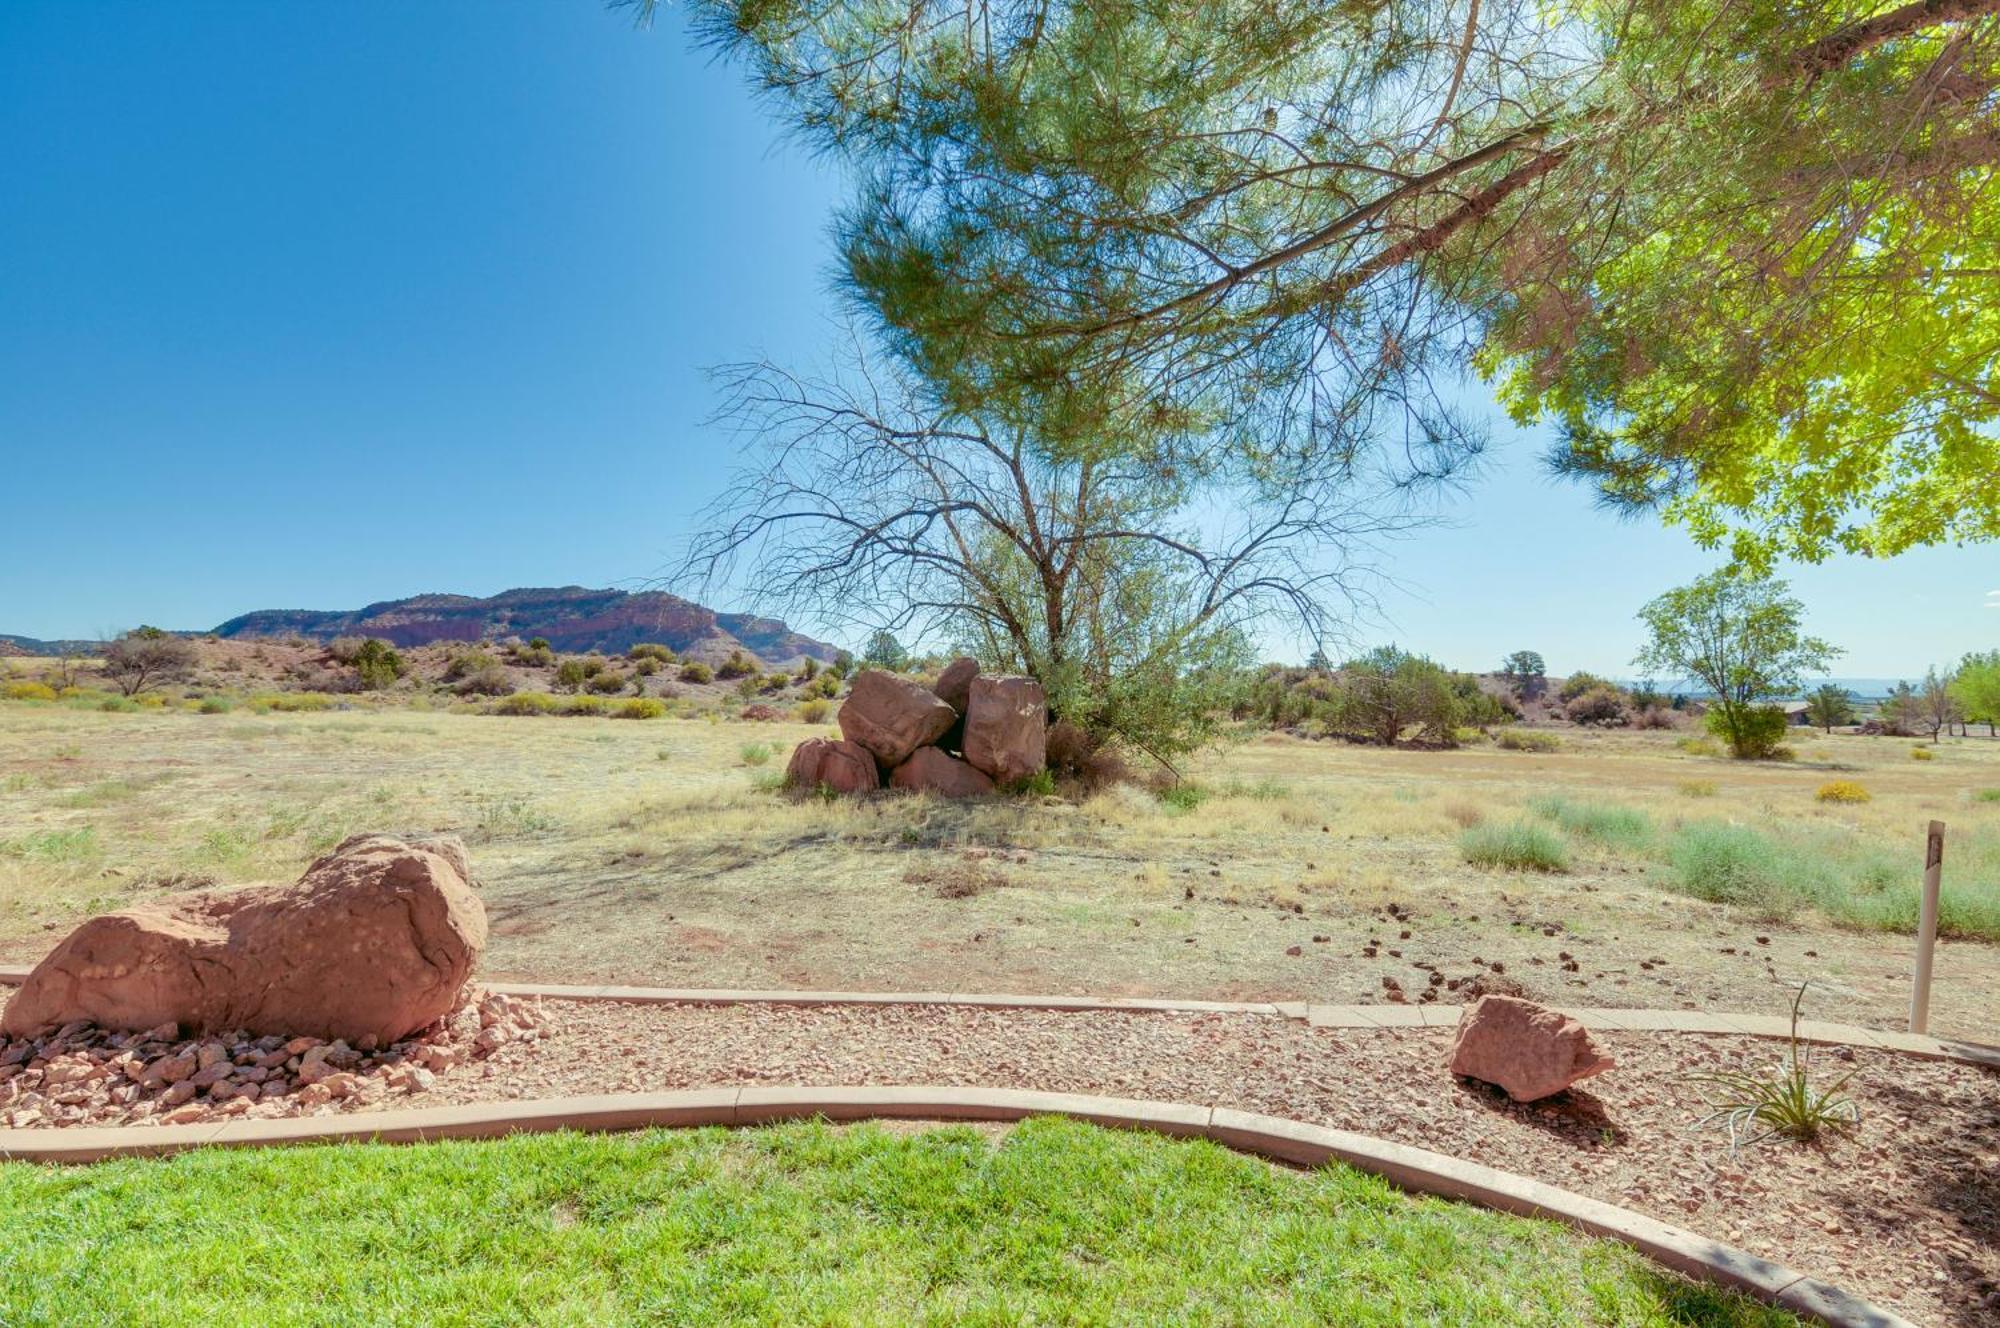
(1527, 1049)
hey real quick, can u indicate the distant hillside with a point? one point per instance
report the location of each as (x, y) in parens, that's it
(572, 618)
(28, 645)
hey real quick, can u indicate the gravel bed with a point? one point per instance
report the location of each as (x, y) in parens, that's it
(1904, 1210)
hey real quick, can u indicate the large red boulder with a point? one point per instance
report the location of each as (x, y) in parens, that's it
(892, 716)
(1525, 1048)
(1006, 727)
(934, 770)
(377, 939)
(840, 766)
(954, 688)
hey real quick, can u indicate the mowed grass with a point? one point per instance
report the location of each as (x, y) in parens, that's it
(1057, 1223)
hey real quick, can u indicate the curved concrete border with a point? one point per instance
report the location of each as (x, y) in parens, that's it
(1413, 1169)
(1615, 1019)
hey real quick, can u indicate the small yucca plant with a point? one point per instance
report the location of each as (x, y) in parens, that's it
(1755, 1107)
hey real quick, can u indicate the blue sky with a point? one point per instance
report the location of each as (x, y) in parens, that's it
(306, 306)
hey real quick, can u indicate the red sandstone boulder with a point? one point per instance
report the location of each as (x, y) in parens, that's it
(954, 688)
(840, 766)
(892, 716)
(1525, 1048)
(937, 771)
(376, 940)
(1006, 727)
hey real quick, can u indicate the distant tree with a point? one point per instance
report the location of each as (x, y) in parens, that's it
(1525, 673)
(1937, 704)
(1602, 706)
(884, 651)
(1742, 636)
(1388, 691)
(1580, 682)
(1319, 662)
(146, 657)
(1830, 705)
(738, 665)
(843, 664)
(1978, 687)
(1901, 711)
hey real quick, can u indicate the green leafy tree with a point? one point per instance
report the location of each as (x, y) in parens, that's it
(1977, 685)
(377, 664)
(1525, 673)
(1741, 254)
(884, 651)
(1387, 692)
(1938, 706)
(1829, 705)
(1902, 710)
(1743, 638)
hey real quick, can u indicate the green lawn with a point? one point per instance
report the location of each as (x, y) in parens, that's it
(1058, 1223)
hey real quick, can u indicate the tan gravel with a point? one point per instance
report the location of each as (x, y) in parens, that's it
(1905, 1210)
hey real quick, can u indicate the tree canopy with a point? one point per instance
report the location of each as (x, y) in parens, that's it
(1742, 254)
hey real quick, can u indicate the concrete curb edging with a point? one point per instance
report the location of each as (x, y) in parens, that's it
(1412, 1169)
(1318, 1016)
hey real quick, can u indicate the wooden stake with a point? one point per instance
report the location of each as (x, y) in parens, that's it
(1920, 992)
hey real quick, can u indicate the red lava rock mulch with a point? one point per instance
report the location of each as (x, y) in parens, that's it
(1903, 1210)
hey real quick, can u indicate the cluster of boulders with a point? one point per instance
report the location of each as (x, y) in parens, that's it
(966, 736)
(349, 983)
(1528, 1050)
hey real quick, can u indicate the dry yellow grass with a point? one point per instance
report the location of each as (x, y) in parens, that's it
(615, 850)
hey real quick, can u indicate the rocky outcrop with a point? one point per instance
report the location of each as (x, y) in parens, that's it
(572, 618)
(1006, 727)
(934, 770)
(892, 716)
(1527, 1049)
(375, 941)
(841, 766)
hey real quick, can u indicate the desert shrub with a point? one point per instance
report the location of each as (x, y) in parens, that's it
(808, 669)
(525, 703)
(1579, 682)
(1463, 814)
(1655, 717)
(291, 702)
(377, 664)
(216, 705)
(1733, 864)
(755, 753)
(659, 654)
(606, 682)
(533, 656)
(761, 713)
(1842, 790)
(586, 705)
(1619, 827)
(816, 711)
(639, 707)
(467, 663)
(342, 649)
(576, 672)
(118, 703)
(1041, 784)
(1520, 846)
(1696, 788)
(827, 684)
(28, 691)
(646, 667)
(1182, 795)
(1527, 740)
(489, 681)
(1987, 795)
(1755, 1106)
(1602, 706)
(147, 657)
(696, 672)
(738, 665)
(1759, 731)
(1695, 745)
(1922, 754)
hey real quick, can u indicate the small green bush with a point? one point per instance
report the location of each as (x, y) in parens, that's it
(738, 665)
(1526, 740)
(216, 705)
(467, 663)
(1183, 796)
(696, 672)
(1987, 795)
(652, 651)
(526, 703)
(815, 711)
(1618, 827)
(489, 681)
(1520, 846)
(586, 705)
(1758, 734)
(377, 664)
(575, 673)
(639, 707)
(1733, 864)
(606, 683)
(826, 685)
(755, 753)
(1041, 784)
(121, 704)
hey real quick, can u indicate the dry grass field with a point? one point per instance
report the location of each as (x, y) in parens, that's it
(659, 852)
